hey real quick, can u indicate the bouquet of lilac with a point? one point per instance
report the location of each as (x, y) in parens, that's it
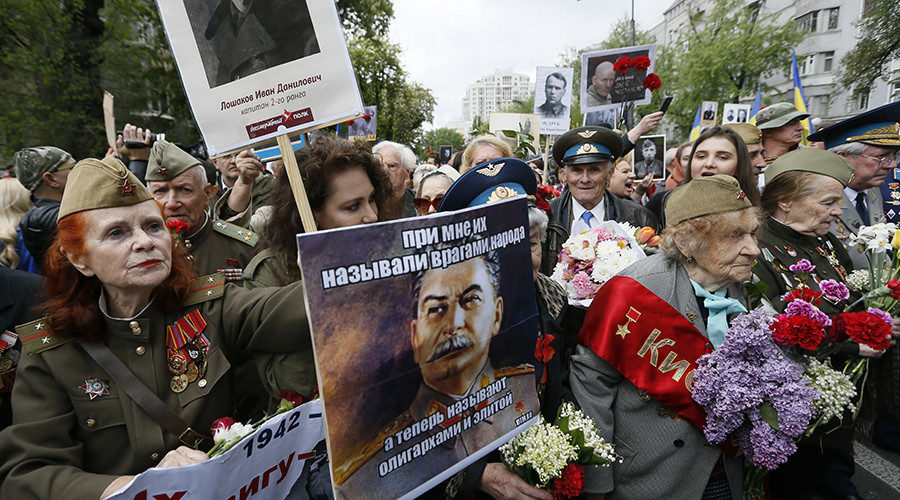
(751, 390)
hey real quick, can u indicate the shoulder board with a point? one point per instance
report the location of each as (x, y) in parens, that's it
(361, 456)
(36, 336)
(236, 232)
(510, 371)
(205, 288)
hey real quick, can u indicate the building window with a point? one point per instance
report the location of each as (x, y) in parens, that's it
(827, 61)
(807, 65)
(807, 21)
(833, 18)
(863, 101)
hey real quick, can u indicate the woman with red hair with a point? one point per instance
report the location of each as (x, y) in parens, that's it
(134, 361)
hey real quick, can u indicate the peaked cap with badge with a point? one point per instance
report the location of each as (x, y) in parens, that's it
(167, 161)
(876, 127)
(490, 181)
(587, 145)
(102, 183)
(32, 163)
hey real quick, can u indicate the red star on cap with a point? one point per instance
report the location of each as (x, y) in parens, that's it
(286, 115)
(127, 189)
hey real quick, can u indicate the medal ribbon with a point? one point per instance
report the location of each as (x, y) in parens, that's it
(185, 329)
(7, 340)
(653, 345)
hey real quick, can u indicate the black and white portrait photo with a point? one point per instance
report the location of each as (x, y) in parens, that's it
(603, 118)
(552, 98)
(735, 113)
(237, 38)
(365, 126)
(648, 156)
(446, 154)
(710, 111)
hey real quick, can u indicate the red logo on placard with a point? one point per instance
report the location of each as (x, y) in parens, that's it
(287, 119)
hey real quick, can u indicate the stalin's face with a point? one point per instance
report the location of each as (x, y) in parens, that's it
(458, 312)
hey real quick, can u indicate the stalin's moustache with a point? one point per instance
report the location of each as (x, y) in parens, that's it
(456, 342)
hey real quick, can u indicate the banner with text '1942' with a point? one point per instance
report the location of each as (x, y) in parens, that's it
(424, 332)
(255, 70)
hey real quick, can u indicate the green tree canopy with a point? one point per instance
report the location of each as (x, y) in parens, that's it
(877, 44)
(436, 138)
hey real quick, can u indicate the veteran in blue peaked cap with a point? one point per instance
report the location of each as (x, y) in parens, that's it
(870, 142)
(490, 181)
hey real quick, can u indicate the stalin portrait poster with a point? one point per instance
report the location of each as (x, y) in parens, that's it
(255, 69)
(424, 341)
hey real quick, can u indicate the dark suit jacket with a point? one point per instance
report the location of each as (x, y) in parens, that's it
(18, 291)
(38, 227)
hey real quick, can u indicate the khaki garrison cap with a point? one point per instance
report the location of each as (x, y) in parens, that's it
(101, 184)
(704, 196)
(749, 133)
(813, 160)
(167, 161)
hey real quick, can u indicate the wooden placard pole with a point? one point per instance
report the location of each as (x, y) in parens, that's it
(293, 173)
(546, 160)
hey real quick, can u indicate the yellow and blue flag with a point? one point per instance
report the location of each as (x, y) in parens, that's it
(695, 128)
(757, 105)
(800, 100)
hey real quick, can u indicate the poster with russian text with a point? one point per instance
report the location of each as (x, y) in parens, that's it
(424, 340)
(255, 70)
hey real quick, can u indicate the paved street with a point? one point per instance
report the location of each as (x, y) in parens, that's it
(877, 472)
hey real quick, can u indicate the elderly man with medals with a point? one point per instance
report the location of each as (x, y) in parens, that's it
(633, 368)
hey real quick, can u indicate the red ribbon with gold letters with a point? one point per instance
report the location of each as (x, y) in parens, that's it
(653, 345)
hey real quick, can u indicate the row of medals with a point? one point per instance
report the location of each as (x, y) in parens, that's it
(186, 365)
(9, 359)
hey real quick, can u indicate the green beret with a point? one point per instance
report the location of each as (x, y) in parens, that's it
(749, 133)
(167, 161)
(101, 184)
(813, 160)
(704, 196)
(778, 115)
(32, 163)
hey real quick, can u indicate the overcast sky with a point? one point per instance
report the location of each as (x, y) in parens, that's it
(448, 44)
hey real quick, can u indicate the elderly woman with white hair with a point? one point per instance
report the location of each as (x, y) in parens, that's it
(430, 183)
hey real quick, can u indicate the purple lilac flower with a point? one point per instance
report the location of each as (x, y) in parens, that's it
(803, 308)
(834, 290)
(881, 314)
(802, 266)
(747, 370)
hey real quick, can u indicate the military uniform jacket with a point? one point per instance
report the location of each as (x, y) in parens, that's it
(617, 209)
(780, 247)
(64, 443)
(663, 455)
(220, 245)
(849, 223)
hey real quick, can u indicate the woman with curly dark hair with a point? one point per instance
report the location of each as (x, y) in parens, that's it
(345, 186)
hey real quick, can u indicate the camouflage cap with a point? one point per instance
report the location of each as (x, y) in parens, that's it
(749, 133)
(705, 196)
(167, 161)
(813, 160)
(778, 115)
(101, 184)
(32, 163)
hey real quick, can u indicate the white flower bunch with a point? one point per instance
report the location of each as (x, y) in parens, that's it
(578, 420)
(836, 390)
(236, 431)
(542, 447)
(858, 280)
(581, 246)
(875, 238)
(610, 260)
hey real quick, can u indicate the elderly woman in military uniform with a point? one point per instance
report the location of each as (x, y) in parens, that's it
(645, 330)
(134, 361)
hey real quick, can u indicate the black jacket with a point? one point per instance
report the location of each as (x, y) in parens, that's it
(18, 291)
(617, 209)
(38, 227)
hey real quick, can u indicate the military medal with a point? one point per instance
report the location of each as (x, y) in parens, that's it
(177, 363)
(5, 364)
(192, 372)
(179, 383)
(94, 387)
(791, 251)
(202, 369)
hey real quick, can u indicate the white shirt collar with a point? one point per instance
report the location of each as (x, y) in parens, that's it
(599, 210)
(852, 194)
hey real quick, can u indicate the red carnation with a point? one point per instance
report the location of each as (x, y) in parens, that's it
(176, 225)
(293, 397)
(798, 330)
(640, 63)
(652, 82)
(569, 484)
(222, 424)
(894, 285)
(622, 64)
(863, 328)
(808, 294)
(349, 123)
(367, 116)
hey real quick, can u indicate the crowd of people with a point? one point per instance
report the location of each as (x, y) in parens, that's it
(98, 256)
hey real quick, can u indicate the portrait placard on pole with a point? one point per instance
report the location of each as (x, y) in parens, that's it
(109, 120)
(364, 128)
(553, 98)
(440, 369)
(256, 70)
(603, 86)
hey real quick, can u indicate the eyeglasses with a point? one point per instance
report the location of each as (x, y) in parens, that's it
(889, 158)
(423, 204)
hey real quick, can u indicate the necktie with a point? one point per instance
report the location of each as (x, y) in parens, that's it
(586, 217)
(861, 208)
(719, 307)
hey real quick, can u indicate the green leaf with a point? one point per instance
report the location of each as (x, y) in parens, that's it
(769, 414)
(509, 133)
